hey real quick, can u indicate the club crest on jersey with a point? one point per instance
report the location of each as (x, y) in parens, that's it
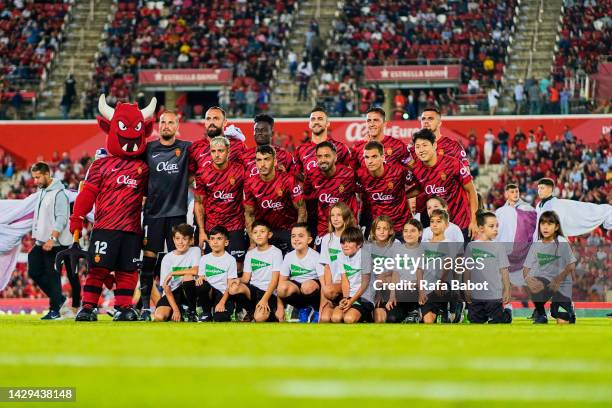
(232, 181)
(341, 188)
(443, 176)
(177, 152)
(279, 192)
(390, 185)
(389, 152)
(139, 170)
(441, 152)
(97, 258)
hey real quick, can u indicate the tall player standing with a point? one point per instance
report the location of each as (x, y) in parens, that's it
(219, 196)
(274, 197)
(166, 201)
(262, 133)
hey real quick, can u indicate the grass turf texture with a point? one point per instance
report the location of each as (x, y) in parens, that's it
(307, 365)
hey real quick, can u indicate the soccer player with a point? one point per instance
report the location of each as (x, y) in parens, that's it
(356, 304)
(445, 177)
(340, 218)
(258, 283)
(383, 187)
(218, 198)
(453, 233)
(215, 122)
(330, 183)
(395, 151)
(216, 273)
(166, 201)
(487, 305)
(275, 197)
(548, 271)
(431, 119)
(306, 158)
(178, 269)
(300, 275)
(262, 133)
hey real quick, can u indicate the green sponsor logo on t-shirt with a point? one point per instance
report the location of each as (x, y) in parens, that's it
(257, 264)
(333, 254)
(481, 254)
(350, 271)
(430, 254)
(544, 259)
(179, 268)
(212, 270)
(297, 270)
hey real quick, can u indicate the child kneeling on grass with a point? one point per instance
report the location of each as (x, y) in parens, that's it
(356, 304)
(177, 273)
(217, 273)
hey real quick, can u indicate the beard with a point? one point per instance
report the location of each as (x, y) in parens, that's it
(213, 131)
(167, 136)
(318, 132)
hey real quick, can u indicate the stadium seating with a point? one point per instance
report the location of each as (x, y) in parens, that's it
(420, 32)
(244, 36)
(30, 36)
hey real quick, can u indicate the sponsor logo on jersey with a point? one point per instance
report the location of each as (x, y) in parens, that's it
(222, 195)
(333, 254)
(478, 253)
(125, 179)
(297, 270)
(272, 205)
(257, 264)
(328, 198)
(311, 165)
(212, 270)
(167, 166)
(297, 190)
(382, 197)
(349, 270)
(545, 259)
(432, 189)
(431, 254)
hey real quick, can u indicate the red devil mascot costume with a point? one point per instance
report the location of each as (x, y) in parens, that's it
(116, 185)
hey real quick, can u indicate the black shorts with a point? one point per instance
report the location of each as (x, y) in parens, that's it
(365, 307)
(238, 244)
(179, 298)
(435, 304)
(226, 316)
(257, 294)
(158, 231)
(546, 294)
(115, 250)
(400, 311)
(282, 240)
(299, 284)
(492, 311)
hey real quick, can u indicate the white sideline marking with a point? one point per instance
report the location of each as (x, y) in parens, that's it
(439, 390)
(310, 362)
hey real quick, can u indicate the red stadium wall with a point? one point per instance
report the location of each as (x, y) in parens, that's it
(28, 141)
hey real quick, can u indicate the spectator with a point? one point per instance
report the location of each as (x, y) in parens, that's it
(224, 98)
(489, 140)
(474, 85)
(519, 141)
(16, 102)
(304, 74)
(65, 106)
(292, 64)
(564, 98)
(492, 97)
(503, 137)
(251, 101)
(519, 97)
(70, 90)
(554, 100)
(534, 98)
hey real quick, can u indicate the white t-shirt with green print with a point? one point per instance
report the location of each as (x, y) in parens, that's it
(261, 264)
(301, 270)
(355, 270)
(548, 260)
(492, 258)
(218, 269)
(173, 262)
(330, 249)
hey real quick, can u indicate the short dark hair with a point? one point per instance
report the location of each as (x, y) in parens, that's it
(184, 229)
(302, 225)
(378, 110)
(431, 108)
(319, 109)
(481, 217)
(547, 182)
(424, 134)
(352, 234)
(40, 167)
(439, 213)
(415, 223)
(328, 144)
(374, 144)
(439, 199)
(262, 117)
(261, 223)
(219, 229)
(266, 149)
(511, 186)
(219, 109)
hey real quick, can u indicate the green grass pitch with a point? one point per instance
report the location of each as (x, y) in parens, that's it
(307, 365)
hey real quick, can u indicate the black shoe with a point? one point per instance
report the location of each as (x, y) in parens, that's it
(145, 316)
(125, 314)
(248, 317)
(52, 315)
(191, 316)
(572, 319)
(413, 317)
(205, 317)
(540, 319)
(457, 313)
(87, 314)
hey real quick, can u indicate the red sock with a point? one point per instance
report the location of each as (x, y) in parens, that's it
(93, 286)
(125, 283)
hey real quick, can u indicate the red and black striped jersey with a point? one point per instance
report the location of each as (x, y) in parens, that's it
(273, 200)
(341, 187)
(446, 147)
(446, 179)
(386, 195)
(306, 156)
(121, 185)
(396, 152)
(222, 195)
(199, 153)
(284, 160)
